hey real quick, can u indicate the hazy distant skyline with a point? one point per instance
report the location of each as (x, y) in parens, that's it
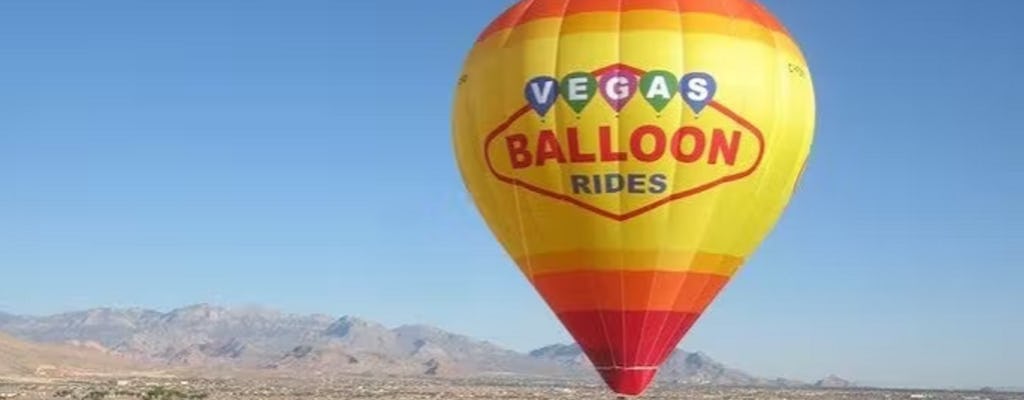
(298, 156)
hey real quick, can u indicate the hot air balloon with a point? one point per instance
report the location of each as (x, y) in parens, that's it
(630, 156)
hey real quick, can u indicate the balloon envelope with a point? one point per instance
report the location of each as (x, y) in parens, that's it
(630, 156)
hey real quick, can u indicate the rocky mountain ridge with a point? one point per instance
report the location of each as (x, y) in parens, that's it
(259, 339)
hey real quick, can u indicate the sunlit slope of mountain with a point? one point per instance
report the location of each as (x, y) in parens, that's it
(22, 358)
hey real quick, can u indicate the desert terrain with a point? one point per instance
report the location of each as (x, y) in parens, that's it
(408, 388)
(210, 352)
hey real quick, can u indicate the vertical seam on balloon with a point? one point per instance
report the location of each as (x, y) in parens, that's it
(491, 185)
(523, 239)
(685, 324)
(555, 74)
(619, 226)
(666, 223)
(553, 113)
(517, 190)
(704, 288)
(524, 243)
(675, 173)
(680, 331)
(591, 294)
(769, 143)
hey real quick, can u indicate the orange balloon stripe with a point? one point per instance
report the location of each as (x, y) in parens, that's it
(525, 12)
(646, 20)
(629, 260)
(686, 292)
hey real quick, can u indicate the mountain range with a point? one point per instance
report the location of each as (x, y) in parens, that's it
(211, 338)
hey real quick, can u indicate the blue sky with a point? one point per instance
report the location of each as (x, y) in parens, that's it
(297, 155)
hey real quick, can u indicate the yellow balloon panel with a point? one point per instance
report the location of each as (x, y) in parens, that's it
(609, 164)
